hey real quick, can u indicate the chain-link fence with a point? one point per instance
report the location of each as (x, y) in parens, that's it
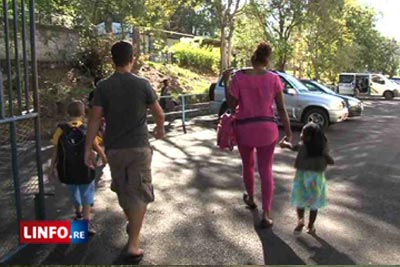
(27, 182)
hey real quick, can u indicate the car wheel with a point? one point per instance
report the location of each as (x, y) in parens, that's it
(388, 95)
(317, 116)
(223, 109)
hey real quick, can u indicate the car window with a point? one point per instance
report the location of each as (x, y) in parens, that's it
(311, 87)
(377, 79)
(286, 84)
(346, 78)
(294, 83)
(325, 88)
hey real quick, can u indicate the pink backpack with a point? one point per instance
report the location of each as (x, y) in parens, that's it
(225, 132)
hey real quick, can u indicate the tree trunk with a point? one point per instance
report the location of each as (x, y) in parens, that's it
(136, 47)
(223, 60)
(281, 63)
(230, 46)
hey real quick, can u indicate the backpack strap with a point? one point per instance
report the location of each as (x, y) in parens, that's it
(64, 127)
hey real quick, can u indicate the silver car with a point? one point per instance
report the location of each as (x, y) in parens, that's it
(302, 106)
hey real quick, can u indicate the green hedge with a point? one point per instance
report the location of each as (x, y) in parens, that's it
(190, 55)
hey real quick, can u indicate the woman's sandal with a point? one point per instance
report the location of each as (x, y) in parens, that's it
(264, 224)
(246, 200)
(134, 259)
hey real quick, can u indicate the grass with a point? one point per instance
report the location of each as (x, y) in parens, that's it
(192, 82)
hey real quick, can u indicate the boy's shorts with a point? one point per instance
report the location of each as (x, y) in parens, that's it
(83, 194)
(131, 176)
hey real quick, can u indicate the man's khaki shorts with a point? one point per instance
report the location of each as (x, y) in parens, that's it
(131, 176)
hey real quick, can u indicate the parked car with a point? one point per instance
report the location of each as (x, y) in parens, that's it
(302, 105)
(367, 84)
(353, 104)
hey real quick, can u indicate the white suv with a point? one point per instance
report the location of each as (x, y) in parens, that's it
(302, 106)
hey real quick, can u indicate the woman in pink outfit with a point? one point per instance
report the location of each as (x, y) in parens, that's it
(251, 93)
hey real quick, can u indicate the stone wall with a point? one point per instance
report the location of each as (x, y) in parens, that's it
(53, 43)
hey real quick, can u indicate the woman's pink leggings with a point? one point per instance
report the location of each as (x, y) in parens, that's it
(265, 158)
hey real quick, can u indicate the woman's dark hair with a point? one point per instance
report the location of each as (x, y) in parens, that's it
(261, 54)
(122, 53)
(314, 139)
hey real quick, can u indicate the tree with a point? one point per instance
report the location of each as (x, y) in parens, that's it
(246, 37)
(227, 10)
(279, 19)
(196, 17)
(323, 34)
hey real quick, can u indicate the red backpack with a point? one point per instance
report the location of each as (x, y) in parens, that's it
(226, 138)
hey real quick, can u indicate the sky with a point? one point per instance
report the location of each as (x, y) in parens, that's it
(388, 16)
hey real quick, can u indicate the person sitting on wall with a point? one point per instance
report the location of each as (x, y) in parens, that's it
(166, 102)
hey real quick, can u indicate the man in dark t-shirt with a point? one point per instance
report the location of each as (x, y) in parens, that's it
(124, 98)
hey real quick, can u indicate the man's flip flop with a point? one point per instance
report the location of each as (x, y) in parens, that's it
(246, 199)
(134, 259)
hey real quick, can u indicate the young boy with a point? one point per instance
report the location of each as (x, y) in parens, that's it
(69, 140)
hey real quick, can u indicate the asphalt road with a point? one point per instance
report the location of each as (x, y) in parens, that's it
(198, 216)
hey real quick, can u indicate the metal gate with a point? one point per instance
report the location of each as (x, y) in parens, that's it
(21, 175)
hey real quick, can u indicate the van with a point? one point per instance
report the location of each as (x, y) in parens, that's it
(367, 84)
(302, 105)
(395, 79)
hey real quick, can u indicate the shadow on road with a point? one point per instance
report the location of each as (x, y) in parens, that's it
(210, 218)
(275, 250)
(324, 253)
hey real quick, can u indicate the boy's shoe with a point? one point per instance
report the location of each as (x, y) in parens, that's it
(91, 229)
(78, 216)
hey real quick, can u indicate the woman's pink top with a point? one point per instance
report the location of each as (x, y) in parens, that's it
(256, 95)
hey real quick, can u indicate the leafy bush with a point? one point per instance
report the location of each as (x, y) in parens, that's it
(192, 56)
(93, 56)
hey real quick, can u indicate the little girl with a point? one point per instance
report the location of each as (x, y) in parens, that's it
(309, 185)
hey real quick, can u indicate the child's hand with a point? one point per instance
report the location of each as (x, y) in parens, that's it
(285, 144)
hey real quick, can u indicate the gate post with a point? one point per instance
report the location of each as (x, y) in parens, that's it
(41, 203)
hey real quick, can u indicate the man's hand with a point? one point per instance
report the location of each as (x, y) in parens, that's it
(159, 132)
(90, 159)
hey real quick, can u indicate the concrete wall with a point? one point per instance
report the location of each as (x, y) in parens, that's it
(53, 43)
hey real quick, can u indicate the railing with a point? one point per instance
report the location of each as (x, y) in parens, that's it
(184, 106)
